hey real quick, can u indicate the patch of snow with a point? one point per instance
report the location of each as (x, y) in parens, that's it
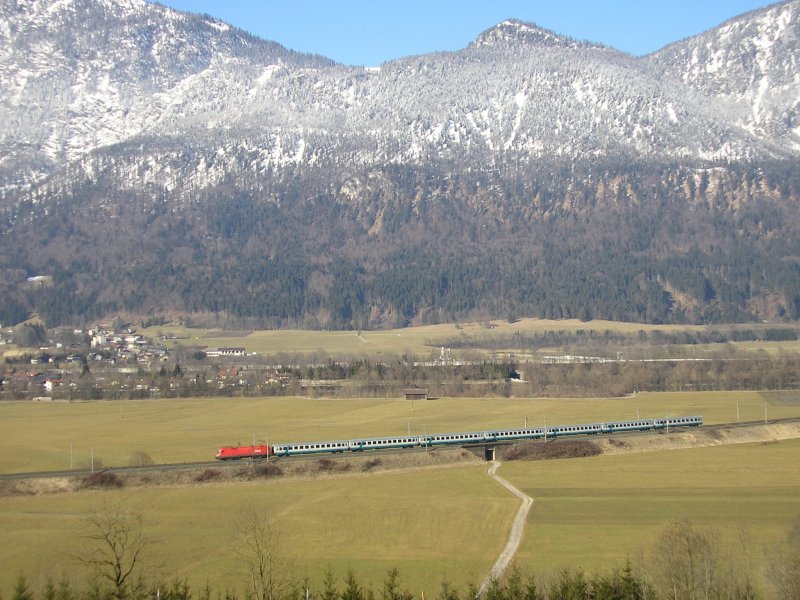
(218, 25)
(267, 74)
(673, 116)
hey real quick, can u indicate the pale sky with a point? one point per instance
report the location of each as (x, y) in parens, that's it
(369, 32)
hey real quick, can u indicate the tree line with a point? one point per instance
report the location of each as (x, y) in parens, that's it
(725, 370)
(684, 562)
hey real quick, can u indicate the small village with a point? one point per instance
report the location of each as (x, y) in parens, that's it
(103, 363)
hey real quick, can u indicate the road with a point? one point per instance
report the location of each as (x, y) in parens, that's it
(514, 536)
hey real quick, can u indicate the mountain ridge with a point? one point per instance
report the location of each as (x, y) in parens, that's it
(223, 84)
(283, 188)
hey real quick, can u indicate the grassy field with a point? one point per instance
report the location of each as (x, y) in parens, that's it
(413, 340)
(52, 436)
(426, 523)
(598, 511)
(423, 340)
(429, 524)
(419, 341)
(432, 524)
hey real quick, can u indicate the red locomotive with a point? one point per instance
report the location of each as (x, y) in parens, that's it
(234, 452)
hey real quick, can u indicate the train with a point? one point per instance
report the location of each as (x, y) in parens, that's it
(459, 439)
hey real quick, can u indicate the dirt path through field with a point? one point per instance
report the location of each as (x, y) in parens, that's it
(695, 438)
(514, 536)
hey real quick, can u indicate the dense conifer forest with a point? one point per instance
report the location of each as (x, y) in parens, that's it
(631, 242)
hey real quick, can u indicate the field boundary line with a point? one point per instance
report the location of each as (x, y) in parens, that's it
(514, 536)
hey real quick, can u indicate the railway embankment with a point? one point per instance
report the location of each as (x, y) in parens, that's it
(366, 464)
(702, 437)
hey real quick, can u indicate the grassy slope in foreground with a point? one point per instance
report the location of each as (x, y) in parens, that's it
(427, 523)
(593, 513)
(597, 512)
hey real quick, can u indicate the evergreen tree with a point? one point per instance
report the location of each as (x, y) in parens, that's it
(571, 586)
(352, 589)
(391, 586)
(447, 592)
(21, 589)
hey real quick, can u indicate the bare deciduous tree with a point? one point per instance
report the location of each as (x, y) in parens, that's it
(114, 548)
(257, 540)
(686, 562)
(784, 565)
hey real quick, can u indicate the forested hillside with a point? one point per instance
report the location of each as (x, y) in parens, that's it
(653, 243)
(159, 163)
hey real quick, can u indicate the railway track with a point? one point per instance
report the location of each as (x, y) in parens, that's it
(238, 463)
(185, 466)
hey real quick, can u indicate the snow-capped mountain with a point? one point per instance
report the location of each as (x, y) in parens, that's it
(79, 75)
(749, 66)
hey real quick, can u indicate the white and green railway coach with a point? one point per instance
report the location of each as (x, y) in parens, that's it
(467, 437)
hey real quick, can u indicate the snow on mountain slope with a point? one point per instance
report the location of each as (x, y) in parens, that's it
(82, 75)
(750, 64)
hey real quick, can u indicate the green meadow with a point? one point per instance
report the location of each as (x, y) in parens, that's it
(605, 510)
(418, 340)
(430, 523)
(54, 436)
(422, 340)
